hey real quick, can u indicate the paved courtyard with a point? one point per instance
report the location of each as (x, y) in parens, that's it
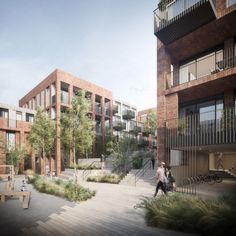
(110, 212)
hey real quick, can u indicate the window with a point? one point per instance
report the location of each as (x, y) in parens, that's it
(10, 140)
(42, 99)
(3, 113)
(38, 100)
(29, 117)
(47, 96)
(230, 2)
(53, 113)
(200, 67)
(18, 115)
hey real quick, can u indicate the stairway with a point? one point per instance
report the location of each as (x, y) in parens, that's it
(146, 179)
(68, 174)
(226, 174)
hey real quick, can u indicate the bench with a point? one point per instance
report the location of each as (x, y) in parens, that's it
(24, 197)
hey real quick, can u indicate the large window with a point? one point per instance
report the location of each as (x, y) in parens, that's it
(18, 115)
(208, 113)
(3, 113)
(47, 96)
(10, 140)
(200, 67)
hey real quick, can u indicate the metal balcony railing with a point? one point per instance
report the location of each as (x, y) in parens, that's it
(115, 109)
(209, 128)
(128, 114)
(119, 125)
(176, 18)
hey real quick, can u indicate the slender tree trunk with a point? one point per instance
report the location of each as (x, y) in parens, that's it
(75, 165)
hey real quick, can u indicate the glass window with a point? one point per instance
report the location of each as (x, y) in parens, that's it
(187, 72)
(10, 140)
(3, 113)
(230, 2)
(47, 96)
(18, 115)
(29, 117)
(42, 99)
(205, 65)
(38, 100)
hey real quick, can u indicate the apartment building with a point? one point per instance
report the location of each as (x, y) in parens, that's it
(196, 92)
(54, 94)
(14, 128)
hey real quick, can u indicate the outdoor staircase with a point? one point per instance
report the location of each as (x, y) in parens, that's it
(68, 174)
(226, 173)
(143, 178)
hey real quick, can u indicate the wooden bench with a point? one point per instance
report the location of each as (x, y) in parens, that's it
(24, 197)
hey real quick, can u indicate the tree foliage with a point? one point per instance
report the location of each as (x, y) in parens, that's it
(15, 156)
(76, 126)
(42, 134)
(150, 124)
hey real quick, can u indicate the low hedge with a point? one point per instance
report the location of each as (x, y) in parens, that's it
(112, 179)
(85, 167)
(70, 191)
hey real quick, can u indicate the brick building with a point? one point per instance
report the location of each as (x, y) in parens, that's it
(14, 128)
(55, 93)
(196, 84)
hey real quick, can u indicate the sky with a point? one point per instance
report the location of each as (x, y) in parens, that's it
(110, 43)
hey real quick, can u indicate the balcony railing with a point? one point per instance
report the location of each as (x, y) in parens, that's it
(190, 14)
(119, 125)
(98, 109)
(204, 129)
(128, 114)
(115, 109)
(199, 68)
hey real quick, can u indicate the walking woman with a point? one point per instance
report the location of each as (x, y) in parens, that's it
(161, 179)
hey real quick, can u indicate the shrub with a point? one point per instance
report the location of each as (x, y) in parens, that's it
(192, 214)
(85, 167)
(137, 162)
(112, 179)
(69, 190)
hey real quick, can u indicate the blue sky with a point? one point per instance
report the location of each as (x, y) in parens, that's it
(107, 42)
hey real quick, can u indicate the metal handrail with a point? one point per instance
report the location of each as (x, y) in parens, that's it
(143, 170)
(88, 170)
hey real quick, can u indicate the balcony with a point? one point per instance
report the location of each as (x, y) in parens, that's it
(107, 111)
(115, 109)
(199, 68)
(98, 109)
(98, 130)
(202, 130)
(119, 126)
(174, 19)
(14, 124)
(134, 128)
(128, 114)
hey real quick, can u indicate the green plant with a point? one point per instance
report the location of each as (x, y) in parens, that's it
(137, 161)
(69, 190)
(15, 155)
(112, 179)
(192, 214)
(42, 135)
(77, 133)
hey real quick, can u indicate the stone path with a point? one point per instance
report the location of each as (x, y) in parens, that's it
(110, 212)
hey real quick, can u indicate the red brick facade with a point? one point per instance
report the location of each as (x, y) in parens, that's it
(62, 80)
(221, 31)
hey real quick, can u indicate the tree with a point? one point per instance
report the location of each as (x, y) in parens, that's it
(42, 135)
(15, 156)
(150, 124)
(77, 127)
